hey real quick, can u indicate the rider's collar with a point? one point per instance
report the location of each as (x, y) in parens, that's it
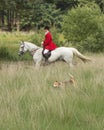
(46, 32)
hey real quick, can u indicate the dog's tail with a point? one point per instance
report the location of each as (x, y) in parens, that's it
(71, 76)
(72, 80)
(81, 56)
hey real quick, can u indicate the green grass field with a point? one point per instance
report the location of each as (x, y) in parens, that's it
(28, 100)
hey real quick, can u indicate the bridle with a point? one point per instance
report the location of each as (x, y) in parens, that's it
(22, 49)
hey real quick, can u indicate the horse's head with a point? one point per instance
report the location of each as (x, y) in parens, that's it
(22, 48)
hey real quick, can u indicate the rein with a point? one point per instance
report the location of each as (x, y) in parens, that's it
(33, 51)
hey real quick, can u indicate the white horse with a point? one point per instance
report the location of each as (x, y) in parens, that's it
(61, 53)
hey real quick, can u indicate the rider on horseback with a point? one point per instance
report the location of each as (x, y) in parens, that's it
(48, 44)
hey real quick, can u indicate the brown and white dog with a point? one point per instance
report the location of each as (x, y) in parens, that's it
(71, 81)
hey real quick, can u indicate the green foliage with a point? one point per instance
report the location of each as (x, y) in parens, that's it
(100, 3)
(4, 52)
(65, 5)
(46, 14)
(10, 53)
(30, 14)
(56, 36)
(84, 27)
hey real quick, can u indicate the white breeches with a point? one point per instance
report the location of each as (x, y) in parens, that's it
(45, 51)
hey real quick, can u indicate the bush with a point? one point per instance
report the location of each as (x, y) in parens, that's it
(10, 53)
(84, 27)
(4, 54)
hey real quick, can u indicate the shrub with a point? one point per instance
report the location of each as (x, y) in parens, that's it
(4, 54)
(84, 27)
(10, 53)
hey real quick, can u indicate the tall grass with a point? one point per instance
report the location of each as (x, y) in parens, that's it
(7, 38)
(28, 100)
(9, 44)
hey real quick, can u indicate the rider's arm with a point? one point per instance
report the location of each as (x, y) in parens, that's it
(47, 40)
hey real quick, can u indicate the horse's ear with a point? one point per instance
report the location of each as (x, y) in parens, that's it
(21, 42)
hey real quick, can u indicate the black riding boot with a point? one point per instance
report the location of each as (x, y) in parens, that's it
(46, 56)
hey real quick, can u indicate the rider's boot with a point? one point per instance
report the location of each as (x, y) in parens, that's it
(47, 55)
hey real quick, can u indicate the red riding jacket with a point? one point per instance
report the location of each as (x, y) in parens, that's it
(48, 43)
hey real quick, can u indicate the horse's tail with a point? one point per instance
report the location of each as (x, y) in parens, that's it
(81, 56)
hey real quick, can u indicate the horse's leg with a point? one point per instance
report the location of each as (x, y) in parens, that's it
(70, 64)
(37, 62)
(68, 60)
(37, 65)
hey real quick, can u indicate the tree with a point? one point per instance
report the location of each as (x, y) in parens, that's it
(100, 3)
(12, 10)
(40, 15)
(65, 5)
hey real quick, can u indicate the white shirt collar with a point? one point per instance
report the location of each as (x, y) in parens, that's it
(46, 32)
